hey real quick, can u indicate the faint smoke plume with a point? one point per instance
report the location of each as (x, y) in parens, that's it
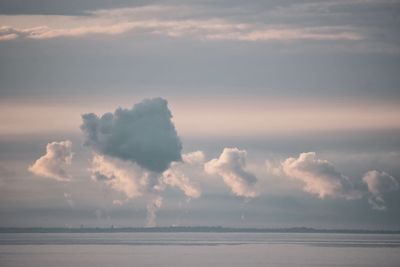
(152, 207)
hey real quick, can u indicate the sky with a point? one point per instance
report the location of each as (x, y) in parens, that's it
(200, 113)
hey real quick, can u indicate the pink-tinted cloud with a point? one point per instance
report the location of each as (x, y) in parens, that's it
(319, 176)
(52, 165)
(231, 166)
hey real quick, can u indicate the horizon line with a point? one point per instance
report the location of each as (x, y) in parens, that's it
(190, 229)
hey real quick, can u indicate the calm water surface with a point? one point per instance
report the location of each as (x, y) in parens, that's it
(198, 249)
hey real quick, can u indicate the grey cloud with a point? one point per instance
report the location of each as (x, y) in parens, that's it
(144, 134)
(379, 183)
(62, 7)
(52, 164)
(231, 165)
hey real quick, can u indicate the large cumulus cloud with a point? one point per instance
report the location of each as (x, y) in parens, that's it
(319, 176)
(231, 165)
(144, 134)
(53, 163)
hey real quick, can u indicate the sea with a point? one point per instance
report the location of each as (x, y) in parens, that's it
(198, 249)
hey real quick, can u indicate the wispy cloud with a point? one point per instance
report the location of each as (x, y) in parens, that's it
(289, 34)
(158, 20)
(379, 183)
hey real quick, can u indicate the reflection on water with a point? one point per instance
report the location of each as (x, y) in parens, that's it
(311, 239)
(198, 249)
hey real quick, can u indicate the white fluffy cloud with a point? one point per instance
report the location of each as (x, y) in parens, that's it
(378, 183)
(174, 177)
(53, 163)
(193, 158)
(129, 179)
(119, 175)
(133, 182)
(318, 176)
(231, 166)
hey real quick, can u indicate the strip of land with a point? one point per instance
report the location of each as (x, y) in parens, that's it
(189, 229)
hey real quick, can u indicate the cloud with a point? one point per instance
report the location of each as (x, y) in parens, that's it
(144, 135)
(318, 176)
(202, 29)
(378, 183)
(175, 175)
(45, 32)
(274, 33)
(52, 164)
(193, 158)
(173, 21)
(133, 182)
(231, 165)
(137, 152)
(119, 175)
(8, 33)
(130, 180)
(322, 179)
(176, 178)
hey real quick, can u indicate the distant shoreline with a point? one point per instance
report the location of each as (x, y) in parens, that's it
(188, 229)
